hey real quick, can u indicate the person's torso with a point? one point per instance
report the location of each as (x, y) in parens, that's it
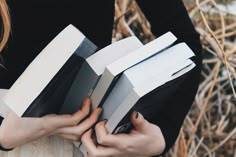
(36, 23)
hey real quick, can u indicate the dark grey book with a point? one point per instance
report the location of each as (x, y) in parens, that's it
(43, 86)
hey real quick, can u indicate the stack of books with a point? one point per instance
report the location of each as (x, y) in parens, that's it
(117, 77)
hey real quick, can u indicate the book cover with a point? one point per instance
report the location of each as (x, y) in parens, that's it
(144, 77)
(114, 70)
(92, 69)
(42, 86)
(145, 88)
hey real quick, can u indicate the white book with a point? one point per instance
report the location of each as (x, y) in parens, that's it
(92, 69)
(138, 81)
(157, 65)
(33, 93)
(115, 124)
(2, 93)
(4, 110)
(112, 71)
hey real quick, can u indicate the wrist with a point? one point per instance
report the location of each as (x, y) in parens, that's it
(1, 147)
(5, 149)
(157, 141)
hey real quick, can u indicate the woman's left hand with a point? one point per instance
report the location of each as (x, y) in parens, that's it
(145, 139)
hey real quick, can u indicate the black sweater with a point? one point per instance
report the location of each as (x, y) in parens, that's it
(35, 23)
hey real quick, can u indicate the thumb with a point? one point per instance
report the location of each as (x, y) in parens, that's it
(138, 121)
(58, 121)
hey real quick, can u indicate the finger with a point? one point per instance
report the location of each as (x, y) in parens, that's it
(57, 121)
(106, 139)
(138, 121)
(82, 127)
(91, 120)
(88, 141)
(70, 137)
(85, 109)
(83, 112)
(98, 151)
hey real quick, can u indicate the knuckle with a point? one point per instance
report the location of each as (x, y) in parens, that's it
(73, 119)
(44, 129)
(129, 149)
(92, 120)
(85, 113)
(78, 133)
(86, 108)
(97, 127)
(126, 147)
(100, 140)
(83, 138)
(77, 139)
(122, 147)
(77, 118)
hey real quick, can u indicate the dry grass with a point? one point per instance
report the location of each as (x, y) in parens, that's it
(209, 128)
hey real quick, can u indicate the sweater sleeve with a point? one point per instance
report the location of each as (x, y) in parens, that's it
(2, 74)
(1, 119)
(171, 15)
(2, 148)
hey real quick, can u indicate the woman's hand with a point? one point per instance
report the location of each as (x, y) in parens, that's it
(16, 131)
(145, 140)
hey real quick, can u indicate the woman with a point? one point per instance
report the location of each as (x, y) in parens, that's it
(35, 23)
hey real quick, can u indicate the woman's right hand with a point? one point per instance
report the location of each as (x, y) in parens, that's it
(16, 131)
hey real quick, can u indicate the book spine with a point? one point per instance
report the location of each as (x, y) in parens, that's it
(76, 95)
(86, 49)
(104, 85)
(121, 111)
(116, 96)
(82, 87)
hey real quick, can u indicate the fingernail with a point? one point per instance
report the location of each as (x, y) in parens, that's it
(99, 109)
(105, 120)
(88, 100)
(137, 114)
(78, 111)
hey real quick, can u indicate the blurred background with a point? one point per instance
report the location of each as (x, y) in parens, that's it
(209, 129)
